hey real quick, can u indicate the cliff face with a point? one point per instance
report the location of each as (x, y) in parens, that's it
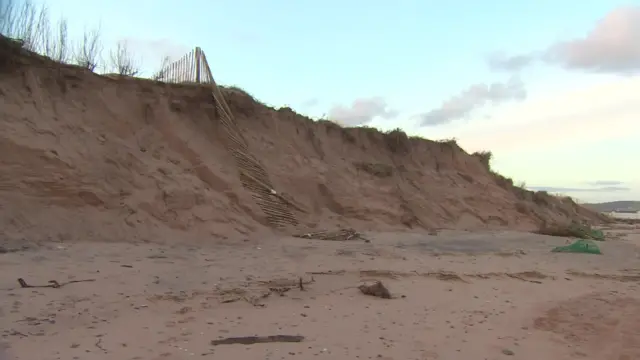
(364, 177)
(88, 157)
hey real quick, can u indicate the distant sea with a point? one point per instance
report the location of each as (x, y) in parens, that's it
(624, 215)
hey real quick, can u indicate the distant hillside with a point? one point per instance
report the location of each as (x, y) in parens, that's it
(613, 205)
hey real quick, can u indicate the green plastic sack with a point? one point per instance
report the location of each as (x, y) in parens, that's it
(580, 246)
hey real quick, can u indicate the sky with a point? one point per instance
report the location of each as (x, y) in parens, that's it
(551, 88)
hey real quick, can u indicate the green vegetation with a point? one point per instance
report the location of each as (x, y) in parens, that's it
(572, 230)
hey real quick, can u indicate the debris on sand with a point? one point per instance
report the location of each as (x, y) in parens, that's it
(376, 289)
(447, 276)
(250, 340)
(284, 282)
(514, 276)
(339, 235)
(52, 283)
(508, 352)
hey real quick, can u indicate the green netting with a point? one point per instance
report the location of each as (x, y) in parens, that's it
(580, 246)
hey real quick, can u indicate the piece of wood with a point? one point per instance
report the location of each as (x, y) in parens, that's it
(52, 283)
(250, 340)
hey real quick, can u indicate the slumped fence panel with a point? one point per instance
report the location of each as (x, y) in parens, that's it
(194, 68)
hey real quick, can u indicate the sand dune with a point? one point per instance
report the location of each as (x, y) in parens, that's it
(95, 158)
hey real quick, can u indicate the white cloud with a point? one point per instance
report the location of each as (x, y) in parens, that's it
(564, 139)
(604, 111)
(474, 97)
(612, 46)
(362, 111)
(501, 62)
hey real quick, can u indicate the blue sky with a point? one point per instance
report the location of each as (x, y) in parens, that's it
(552, 88)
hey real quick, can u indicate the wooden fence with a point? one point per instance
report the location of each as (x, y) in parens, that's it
(194, 68)
(191, 68)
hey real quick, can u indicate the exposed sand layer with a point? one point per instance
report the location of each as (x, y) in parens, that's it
(457, 295)
(95, 158)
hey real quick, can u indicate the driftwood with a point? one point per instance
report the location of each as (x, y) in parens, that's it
(52, 283)
(523, 279)
(250, 340)
(288, 282)
(339, 235)
(275, 286)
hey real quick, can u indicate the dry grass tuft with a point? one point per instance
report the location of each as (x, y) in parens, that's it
(397, 141)
(484, 157)
(574, 230)
(559, 230)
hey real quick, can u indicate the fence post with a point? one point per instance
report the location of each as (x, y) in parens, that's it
(198, 65)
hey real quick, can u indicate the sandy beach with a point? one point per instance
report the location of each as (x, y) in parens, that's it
(481, 295)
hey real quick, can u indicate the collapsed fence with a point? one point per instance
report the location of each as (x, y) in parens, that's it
(194, 68)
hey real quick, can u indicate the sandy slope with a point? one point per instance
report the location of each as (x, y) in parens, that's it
(458, 295)
(93, 158)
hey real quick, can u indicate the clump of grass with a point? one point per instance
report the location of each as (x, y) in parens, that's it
(161, 74)
(240, 90)
(485, 158)
(574, 230)
(88, 52)
(559, 230)
(397, 141)
(453, 142)
(503, 181)
(123, 61)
